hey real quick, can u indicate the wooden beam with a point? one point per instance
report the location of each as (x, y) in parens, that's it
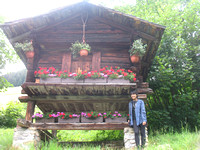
(30, 110)
(145, 90)
(39, 29)
(77, 99)
(70, 38)
(125, 28)
(75, 126)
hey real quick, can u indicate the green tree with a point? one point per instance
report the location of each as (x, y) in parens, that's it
(16, 78)
(174, 75)
(7, 54)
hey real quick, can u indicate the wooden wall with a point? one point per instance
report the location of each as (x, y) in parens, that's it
(112, 43)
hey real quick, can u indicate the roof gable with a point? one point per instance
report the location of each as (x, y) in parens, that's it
(135, 28)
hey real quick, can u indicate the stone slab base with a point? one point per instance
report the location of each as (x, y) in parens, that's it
(129, 138)
(25, 138)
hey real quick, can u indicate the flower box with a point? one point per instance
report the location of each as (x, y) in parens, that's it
(116, 120)
(71, 80)
(88, 80)
(45, 120)
(70, 120)
(118, 81)
(50, 80)
(86, 120)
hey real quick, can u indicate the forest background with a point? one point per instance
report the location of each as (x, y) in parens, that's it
(175, 72)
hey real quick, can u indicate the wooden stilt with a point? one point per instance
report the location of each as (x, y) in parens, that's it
(30, 110)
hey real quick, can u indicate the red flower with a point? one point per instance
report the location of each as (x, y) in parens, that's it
(89, 115)
(105, 116)
(52, 69)
(63, 117)
(91, 112)
(130, 71)
(134, 79)
(128, 114)
(125, 74)
(35, 72)
(70, 116)
(50, 115)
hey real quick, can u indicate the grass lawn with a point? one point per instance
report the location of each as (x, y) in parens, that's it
(11, 94)
(170, 141)
(177, 141)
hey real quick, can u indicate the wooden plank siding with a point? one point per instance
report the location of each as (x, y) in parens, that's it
(57, 40)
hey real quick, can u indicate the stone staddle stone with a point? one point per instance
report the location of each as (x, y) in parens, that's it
(25, 138)
(129, 138)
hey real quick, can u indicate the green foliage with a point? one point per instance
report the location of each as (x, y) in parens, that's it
(11, 113)
(25, 46)
(16, 78)
(175, 73)
(137, 48)
(6, 138)
(7, 54)
(77, 46)
(91, 135)
(79, 76)
(175, 141)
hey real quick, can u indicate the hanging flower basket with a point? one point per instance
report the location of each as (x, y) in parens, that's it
(135, 58)
(29, 54)
(137, 50)
(83, 52)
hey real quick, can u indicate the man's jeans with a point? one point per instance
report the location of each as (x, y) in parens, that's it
(142, 130)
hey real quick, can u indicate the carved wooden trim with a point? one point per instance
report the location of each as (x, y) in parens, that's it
(66, 61)
(96, 61)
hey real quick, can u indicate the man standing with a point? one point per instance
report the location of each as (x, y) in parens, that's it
(137, 118)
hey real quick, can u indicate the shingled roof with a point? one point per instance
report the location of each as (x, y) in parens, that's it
(22, 30)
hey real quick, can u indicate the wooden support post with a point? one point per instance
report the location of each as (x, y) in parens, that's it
(30, 70)
(54, 133)
(30, 110)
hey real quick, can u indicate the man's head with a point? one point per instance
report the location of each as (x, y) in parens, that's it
(134, 95)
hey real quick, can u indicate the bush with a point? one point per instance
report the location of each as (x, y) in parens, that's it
(11, 113)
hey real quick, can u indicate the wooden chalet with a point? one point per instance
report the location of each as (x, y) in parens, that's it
(110, 34)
